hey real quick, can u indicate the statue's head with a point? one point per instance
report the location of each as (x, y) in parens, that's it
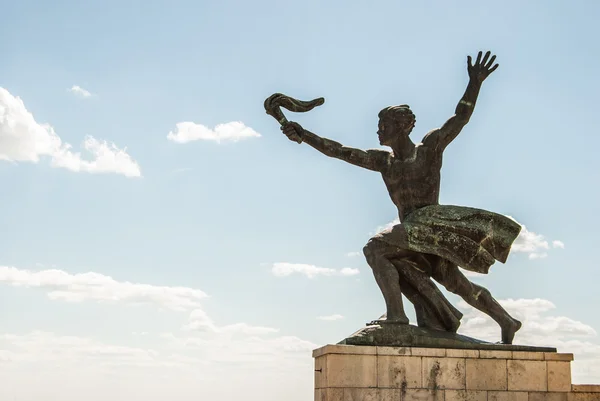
(395, 122)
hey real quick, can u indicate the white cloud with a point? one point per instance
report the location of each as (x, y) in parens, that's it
(79, 91)
(42, 346)
(348, 271)
(542, 328)
(228, 132)
(247, 329)
(534, 255)
(22, 139)
(199, 321)
(387, 226)
(529, 242)
(331, 317)
(533, 244)
(283, 269)
(252, 349)
(353, 254)
(200, 361)
(80, 287)
(107, 158)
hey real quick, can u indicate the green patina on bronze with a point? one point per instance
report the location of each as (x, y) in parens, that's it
(470, 238)
(431, 241)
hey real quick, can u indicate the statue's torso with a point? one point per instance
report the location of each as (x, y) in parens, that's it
(414, 182)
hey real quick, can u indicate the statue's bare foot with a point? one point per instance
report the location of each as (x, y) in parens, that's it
(509, 330)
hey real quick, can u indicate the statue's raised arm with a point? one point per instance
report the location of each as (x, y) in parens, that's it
(439, 138)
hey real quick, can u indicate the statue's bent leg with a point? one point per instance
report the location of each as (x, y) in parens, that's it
(432, 308)
(477, 296)
(387, 278)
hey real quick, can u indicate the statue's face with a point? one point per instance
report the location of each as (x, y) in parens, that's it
(390, 130)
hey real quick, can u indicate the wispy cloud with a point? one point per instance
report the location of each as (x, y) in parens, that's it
(80, 92)
(22, 139)
(283, 269)
(331, 317)
(533, 244)
(199, 321)
(229, 132)
(542, 328)
(44, 346)
(387, 226)
(80, 287)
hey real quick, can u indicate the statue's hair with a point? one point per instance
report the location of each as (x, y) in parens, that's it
(395, 113)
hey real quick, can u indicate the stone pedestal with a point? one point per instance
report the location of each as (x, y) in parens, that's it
(370, 373)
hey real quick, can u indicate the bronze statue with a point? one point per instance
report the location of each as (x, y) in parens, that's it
(432, 240)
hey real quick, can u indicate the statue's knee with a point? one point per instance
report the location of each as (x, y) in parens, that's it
(370, 251)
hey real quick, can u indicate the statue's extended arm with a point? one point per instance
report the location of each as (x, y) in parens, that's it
(441, 137)
(375, 160)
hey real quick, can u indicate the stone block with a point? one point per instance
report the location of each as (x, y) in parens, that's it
(321, 371)
(428, 352)
(465, 395)
(351, 370)
(422, 395)
(586, 388)
(444, 373)
(527, 375)
(554, 356)
(546, 396)
(344, 349)
(368, 373)
(490, 354)
(559, 376)
(462, 353)
(486, 374)
(577, 396)
(399, 371)
(394, 351)
(532, 356)
(329, 394)
(361, 394)
(508, 396)
(390, 394)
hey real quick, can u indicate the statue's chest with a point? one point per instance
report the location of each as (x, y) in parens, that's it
(409, 169)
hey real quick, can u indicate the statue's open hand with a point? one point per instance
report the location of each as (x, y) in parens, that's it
(482, 68)
(293, 131)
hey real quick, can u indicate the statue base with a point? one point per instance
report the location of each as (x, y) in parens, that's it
(378, 373)
(405, 335)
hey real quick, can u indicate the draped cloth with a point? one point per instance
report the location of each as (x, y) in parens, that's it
(470, 238)
(459, 236)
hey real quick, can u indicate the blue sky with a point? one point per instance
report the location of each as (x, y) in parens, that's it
(156, 267)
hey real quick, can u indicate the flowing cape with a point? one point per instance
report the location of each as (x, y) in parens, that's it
(471, 238)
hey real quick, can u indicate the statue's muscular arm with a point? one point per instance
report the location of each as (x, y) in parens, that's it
(373, 159)
(441, 137)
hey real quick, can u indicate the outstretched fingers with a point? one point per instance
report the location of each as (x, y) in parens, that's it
(485, 58)
(469, 61)
(491, 62)
(478, 58)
